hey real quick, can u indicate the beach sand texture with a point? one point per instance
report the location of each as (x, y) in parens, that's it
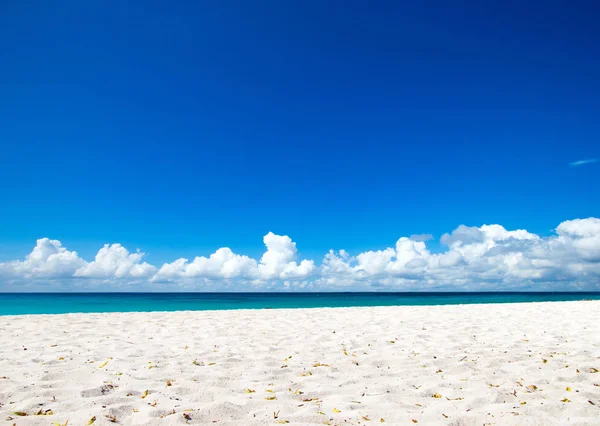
(502, 364)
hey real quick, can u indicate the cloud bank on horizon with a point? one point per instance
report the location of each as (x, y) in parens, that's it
(488, 257)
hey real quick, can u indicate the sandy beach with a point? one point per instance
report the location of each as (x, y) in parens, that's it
(502, 364)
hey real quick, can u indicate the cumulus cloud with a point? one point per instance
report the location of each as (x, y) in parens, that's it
(462, 234)
(114, 261)
(485, 257)
(48, 259)
(277, 263)
(221, 264)
(584, 237)
(476, 257)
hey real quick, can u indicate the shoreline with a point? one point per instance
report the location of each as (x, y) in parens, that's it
(214, 311)
(260, 308)
(438, 364)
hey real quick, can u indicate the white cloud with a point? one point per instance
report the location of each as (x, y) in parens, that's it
(277, 263)
(114, 261)
(583, 235)
(583, 162)
(221, 264)
(373, 263)
(477, 257)
(484, 257)
(48, 259)
(462, 234)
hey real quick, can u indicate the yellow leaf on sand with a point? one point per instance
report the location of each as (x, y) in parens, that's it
(92, 420)
(103, 364)
(545, 361)
(415, 421)
(565, 400)
(61, 359)
(145, 394)
(594, 370)
(270, 391)
(335, 410)
(382, 420)
(271, 398)
(366, 418)
(523, 402)
(436, 395)
(532, 387)
(250, 391)
(283, 421)
(568, 389)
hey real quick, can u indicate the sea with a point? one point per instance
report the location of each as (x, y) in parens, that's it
(62, 303)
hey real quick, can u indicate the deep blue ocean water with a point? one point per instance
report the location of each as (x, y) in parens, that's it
(59, 303)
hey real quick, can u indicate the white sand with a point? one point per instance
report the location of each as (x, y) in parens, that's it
(389, 363)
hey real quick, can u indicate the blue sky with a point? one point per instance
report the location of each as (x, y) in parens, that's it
(180, 128)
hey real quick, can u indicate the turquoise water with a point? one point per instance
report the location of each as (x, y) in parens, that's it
(60, 303)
